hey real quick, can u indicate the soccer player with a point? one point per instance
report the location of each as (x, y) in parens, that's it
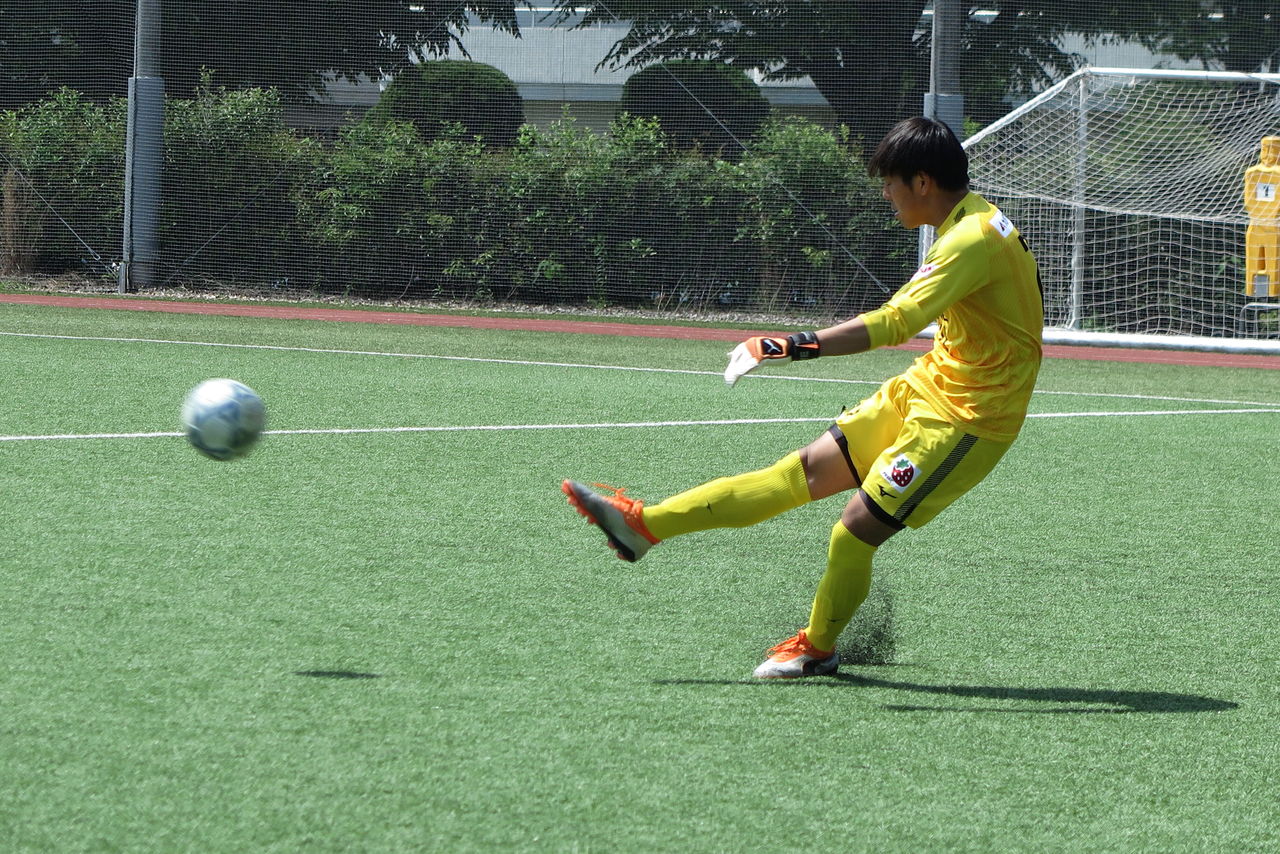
(924, 439)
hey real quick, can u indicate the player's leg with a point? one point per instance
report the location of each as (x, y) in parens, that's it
(738, 501)
(726, 502)
(954, 464)
(820, 469)
(927, 467)
(840, 460)
(847, 580)
(837, 461)
(823, 468)
(843, 588)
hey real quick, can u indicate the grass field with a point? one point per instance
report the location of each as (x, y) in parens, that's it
(404, 640)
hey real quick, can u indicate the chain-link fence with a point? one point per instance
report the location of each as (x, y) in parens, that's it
(657, 156)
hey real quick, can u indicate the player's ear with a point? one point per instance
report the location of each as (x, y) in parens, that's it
(922, 183)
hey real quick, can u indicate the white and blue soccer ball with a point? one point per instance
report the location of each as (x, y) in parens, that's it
(223, 418)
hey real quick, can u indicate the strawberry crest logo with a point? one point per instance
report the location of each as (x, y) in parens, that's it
(900, 473)
(903, 472)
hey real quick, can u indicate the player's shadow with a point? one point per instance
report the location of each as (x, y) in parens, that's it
(1063, 701)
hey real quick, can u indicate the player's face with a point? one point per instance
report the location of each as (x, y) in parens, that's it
(907, 199)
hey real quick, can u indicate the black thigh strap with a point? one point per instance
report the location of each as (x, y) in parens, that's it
(838, 435)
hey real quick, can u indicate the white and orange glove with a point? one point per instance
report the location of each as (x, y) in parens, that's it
(749, 355)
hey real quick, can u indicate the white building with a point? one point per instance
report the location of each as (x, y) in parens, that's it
(555, 66)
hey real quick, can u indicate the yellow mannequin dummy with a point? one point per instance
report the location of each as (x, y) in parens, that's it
(1262, 240)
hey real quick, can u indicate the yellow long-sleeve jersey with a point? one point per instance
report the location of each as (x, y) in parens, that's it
(980, 282)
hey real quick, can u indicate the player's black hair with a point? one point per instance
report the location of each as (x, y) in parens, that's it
(920, 145)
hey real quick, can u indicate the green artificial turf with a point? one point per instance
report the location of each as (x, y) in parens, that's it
(406, 641)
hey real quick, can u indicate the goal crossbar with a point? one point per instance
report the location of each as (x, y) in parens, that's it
(1152, 73)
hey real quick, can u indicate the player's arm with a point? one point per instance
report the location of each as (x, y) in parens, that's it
(942, 281)
(933, 289)
(844, 339)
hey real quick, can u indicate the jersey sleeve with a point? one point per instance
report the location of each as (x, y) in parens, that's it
(953, 269)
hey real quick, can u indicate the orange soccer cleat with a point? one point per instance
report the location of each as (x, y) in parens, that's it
(617, 515)
(796, 657)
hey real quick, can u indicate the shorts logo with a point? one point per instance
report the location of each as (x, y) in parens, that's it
(900, 474)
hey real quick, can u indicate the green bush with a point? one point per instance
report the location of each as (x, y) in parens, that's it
(620, 219)
(554, 189)
(396, 216)
(572, 216)
(63, 187)
(567, 191)
(364, 207)
(677, 243)
(227, 210)
(702, 103)
(822, 229)
(564, 215)
(436, 95)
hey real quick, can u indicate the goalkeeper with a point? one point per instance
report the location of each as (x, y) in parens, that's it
(924, 439)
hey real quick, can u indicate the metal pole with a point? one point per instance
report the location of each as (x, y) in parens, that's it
(144, 154)
(1075, 317)
(944, 101)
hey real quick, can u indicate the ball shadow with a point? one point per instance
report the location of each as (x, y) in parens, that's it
(336, 674)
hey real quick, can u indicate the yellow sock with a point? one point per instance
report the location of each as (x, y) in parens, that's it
(732, 502)
(842, 589)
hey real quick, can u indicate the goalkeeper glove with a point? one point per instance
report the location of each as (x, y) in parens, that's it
(748, 355)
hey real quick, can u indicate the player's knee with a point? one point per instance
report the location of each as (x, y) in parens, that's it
(865, 524)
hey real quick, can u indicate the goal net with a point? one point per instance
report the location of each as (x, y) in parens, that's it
(1130, 186)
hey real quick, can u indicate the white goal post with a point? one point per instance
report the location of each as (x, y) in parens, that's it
(1129, 184)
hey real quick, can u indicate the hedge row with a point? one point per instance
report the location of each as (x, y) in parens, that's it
(562, 215)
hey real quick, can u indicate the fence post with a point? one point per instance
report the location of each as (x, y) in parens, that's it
(144, 154)
(944, 101)
(1080, 176)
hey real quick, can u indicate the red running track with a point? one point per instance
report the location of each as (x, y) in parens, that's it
(592, 327)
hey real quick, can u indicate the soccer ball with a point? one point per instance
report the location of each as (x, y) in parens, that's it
(223, 418)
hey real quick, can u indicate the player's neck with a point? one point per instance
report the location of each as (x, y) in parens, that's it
(942, 203)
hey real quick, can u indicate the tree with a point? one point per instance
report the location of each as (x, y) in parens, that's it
(292, 45)
(870, 58)
(46, 45)
(1239, 35)
(865, 57)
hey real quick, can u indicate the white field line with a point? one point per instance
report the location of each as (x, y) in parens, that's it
(580, 365)
(1141, 412)
(618, 425)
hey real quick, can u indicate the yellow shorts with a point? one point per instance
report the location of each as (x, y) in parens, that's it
(909, 463)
